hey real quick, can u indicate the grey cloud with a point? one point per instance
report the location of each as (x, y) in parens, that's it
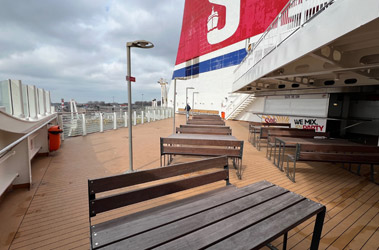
(76, 49)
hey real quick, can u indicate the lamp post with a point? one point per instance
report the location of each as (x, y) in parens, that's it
(143, 45)
(193, 100)
(187, 97)
(176, 78)
(142, 101)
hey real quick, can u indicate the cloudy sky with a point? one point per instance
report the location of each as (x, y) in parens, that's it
(76, 48)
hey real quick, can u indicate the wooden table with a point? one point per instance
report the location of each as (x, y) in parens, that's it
(283, 142)
(247, 218)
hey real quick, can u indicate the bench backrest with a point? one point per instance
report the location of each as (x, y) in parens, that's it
(110, 202)
(206, 117)
(296, 133)
(204, 126)
(202, 147)
(206, 122)
(338, 148)
(211, 131)
(265, 130)
(265, 124)
(339, 157)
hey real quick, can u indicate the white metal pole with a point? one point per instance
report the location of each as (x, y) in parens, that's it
(135, 118)
(84, 124)
(114, 120)
(142, 118)
(101, 122)
(126, 119)
(130, 110)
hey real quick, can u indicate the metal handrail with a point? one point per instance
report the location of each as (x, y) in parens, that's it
(236, 107)
(15, 143)
(306, 14)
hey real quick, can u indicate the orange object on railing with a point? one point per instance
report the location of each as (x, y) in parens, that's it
(54, 138)
(223, 115)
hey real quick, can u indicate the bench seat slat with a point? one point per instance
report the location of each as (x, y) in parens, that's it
(186, 224)
(224, 228)
(127, 198)
(117, 229)
(201, 151)
(264, 232)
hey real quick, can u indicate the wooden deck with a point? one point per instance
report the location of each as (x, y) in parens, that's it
(54, 213)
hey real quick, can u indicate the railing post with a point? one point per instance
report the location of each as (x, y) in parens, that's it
(60, 123)
(148, 116)
(84, 124)
(153, 115)
(125, 119)
(142, 118)
(101, 122)
(135, 118)
(114, 120)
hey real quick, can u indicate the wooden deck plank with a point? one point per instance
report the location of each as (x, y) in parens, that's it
(59, 205)
(365, 234)
(355, 228)
(372, 242)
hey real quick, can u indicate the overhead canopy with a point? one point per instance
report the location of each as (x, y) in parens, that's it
(339, 49)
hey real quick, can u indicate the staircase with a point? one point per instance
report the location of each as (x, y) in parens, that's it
(237, 109)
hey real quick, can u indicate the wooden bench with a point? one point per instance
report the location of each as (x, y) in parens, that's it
(334, 153)
(263, 133)
(206, 117)
(209, 131)
(296, 133)
(254, 125)
(206, 122)
(248, 218)
(202, 145)
(101, 233)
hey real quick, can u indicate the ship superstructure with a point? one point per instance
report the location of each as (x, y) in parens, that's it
(306, 62)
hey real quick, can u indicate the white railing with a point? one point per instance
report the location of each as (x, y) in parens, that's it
(295, 14)
(235, 104)
(24, 101)
(92, 122)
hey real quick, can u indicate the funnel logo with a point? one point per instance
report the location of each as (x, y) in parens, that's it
(232, 19)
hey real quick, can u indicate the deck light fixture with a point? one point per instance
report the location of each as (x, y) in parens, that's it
(143, 45)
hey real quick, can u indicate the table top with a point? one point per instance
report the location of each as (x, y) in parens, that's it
(291, 141)
(252, 216)
(203, 137)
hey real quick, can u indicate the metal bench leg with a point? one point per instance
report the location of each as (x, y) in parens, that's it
(372, 174)
(289, 175)
(285, 236)
(317, 230)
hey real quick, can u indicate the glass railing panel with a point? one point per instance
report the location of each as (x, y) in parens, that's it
(41, 102)
(47, 102)
(17, 98)
(5, 96)
(33, 109)
(25, 100)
